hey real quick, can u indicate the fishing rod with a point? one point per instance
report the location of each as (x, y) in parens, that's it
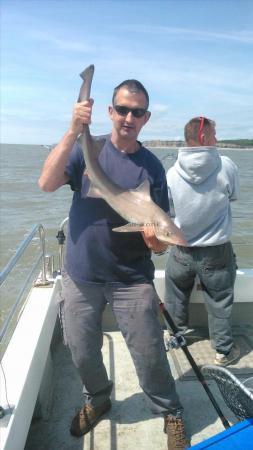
(179, 341)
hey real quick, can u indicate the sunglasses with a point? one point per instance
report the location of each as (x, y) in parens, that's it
(124, 111)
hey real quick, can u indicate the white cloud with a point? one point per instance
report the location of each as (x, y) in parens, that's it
(244, 36)
(63, 44)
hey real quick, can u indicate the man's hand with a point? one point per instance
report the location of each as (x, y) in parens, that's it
(81, 116)
(151, 240)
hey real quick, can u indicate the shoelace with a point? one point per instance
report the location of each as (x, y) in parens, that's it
(85, 413)
(176, 429)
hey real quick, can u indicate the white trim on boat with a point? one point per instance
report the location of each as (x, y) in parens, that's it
(243, 286)
(23, 364)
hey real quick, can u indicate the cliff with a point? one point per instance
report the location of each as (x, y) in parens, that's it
(225, 143)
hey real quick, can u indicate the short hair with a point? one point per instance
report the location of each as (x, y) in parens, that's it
(134, 86)
(191, 129)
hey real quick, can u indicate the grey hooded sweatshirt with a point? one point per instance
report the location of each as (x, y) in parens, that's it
(201, 185)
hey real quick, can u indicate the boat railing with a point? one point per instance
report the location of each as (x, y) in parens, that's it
(42, 281)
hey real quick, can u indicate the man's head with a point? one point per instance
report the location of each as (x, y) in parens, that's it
(133, 86)
(129, 110)
(200, 131)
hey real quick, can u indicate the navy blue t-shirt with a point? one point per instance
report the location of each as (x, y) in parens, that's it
(94, 252)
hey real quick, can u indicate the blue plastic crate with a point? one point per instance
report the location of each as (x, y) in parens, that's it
(237, 437)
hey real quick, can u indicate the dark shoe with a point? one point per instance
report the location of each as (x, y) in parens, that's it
(87, 418)
(224, 360)
(174, 428)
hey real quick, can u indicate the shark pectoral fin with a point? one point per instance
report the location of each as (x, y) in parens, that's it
(128, 228)
(93, 191)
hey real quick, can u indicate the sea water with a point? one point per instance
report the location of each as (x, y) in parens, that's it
(23, 205)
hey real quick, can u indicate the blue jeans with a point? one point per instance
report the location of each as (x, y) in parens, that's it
(216, 269)
(136, 310)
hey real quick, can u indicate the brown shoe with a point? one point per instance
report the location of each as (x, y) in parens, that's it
(87, 418)
(174, 428)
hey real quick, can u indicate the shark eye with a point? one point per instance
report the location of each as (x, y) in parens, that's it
(168, 233)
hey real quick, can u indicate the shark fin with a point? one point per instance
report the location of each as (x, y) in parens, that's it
(143, 189)
(129, 228)
(93, 191)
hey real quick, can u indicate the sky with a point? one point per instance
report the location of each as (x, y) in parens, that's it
(195, 57)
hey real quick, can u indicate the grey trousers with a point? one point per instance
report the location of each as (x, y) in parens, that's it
(136, 310)
(216, 269)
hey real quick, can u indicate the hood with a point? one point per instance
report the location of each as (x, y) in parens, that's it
(196, 164)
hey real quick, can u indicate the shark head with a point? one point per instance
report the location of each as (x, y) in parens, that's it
(166, 231)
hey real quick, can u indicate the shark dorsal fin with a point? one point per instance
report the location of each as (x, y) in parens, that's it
(143, 189)
(94, 191)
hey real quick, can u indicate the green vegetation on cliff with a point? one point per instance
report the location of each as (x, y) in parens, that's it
(237, 143)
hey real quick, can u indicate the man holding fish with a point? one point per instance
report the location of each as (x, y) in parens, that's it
(118, 215)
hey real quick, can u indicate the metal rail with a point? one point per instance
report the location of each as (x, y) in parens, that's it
(38, 228)
(61, 241)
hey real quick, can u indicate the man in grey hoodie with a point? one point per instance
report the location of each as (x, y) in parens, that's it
(201, 186)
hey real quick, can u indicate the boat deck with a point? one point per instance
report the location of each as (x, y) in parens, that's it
(130, 425)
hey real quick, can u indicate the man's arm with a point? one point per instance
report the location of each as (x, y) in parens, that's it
(235, 187)
(53, 173)
(232, 173)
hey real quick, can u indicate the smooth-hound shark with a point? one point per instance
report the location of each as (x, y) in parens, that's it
(134, 205)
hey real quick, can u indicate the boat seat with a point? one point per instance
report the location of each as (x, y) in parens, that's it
(235, 394)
